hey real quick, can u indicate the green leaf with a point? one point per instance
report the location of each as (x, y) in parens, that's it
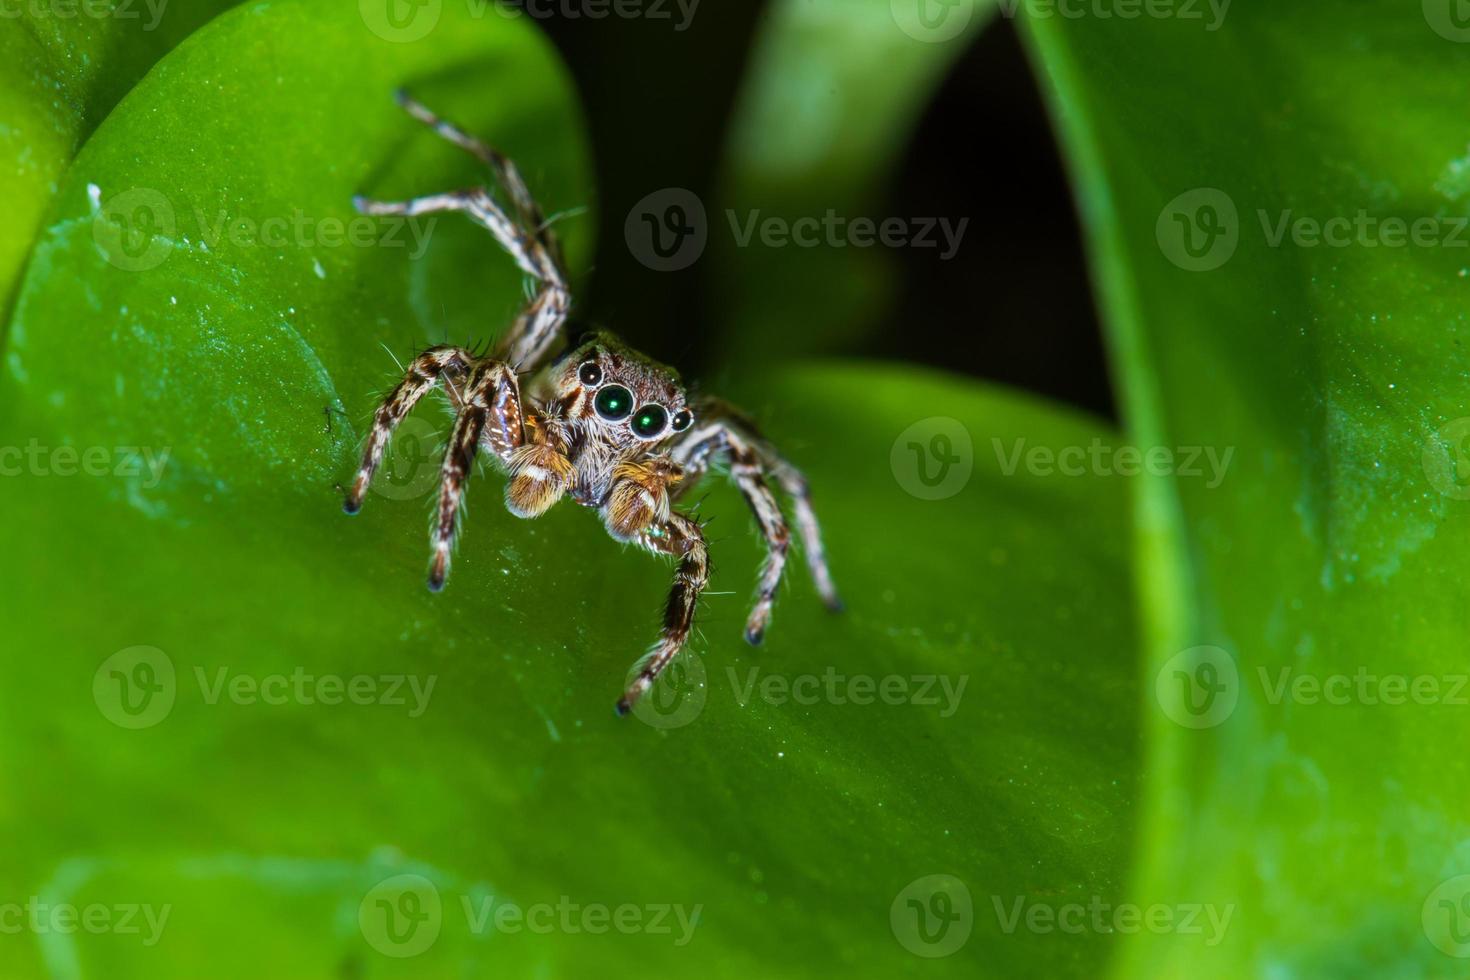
(1337, 373)
(63, 66)
(211, 389)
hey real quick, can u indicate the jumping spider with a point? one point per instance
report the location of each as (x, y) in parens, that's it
(601, 422)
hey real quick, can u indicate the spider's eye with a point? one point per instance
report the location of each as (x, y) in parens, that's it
(649, 421)
(590, 374)
(682, 418)
(614, 402)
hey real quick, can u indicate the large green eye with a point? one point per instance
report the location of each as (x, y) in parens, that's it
(650, 421)
(614, 402)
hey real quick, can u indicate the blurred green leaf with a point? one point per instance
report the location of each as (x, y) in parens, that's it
(190, 337)
(834, 91)
(63, 66)
(1336, 369)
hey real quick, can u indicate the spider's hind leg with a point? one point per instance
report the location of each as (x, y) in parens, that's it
(724, 432)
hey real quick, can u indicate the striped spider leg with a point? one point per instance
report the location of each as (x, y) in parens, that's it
(600, 423)
(726, 435)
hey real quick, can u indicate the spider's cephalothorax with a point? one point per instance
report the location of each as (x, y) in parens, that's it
(601, 423)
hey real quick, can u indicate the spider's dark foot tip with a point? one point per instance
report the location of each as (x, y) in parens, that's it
(754, 636)
(436, 583)
(401, 95)
(623, 707)
(836, 605)
(350, 506)
(360, 203)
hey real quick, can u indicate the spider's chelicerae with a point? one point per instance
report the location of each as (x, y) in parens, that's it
(600, 422)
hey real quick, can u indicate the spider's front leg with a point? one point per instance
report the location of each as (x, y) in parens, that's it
(523, 232)
(637, 510)
(449, 364)
(489, 409)
(678, 535)
(487, 399)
